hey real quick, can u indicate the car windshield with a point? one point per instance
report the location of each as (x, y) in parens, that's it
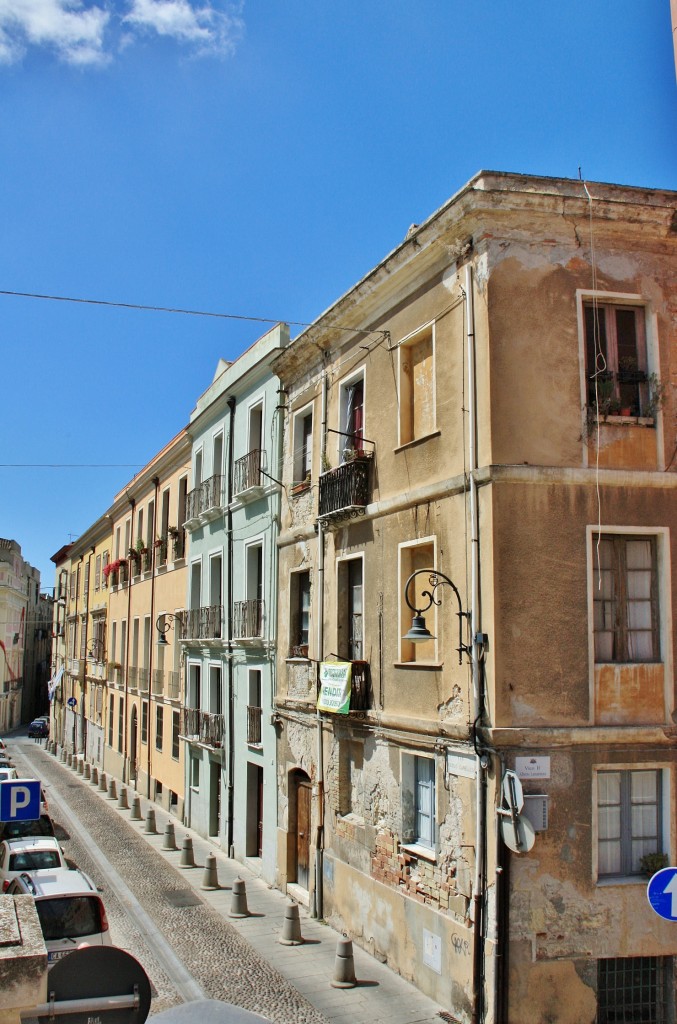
(34, 860)
(69, 917)
(18, 829)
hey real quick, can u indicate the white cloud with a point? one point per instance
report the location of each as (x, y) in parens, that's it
(84, 33)
(75, 32)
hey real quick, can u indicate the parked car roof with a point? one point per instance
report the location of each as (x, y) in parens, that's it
(31, 854)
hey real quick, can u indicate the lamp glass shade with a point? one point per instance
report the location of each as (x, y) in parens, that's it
(162, 641)
(419, 632)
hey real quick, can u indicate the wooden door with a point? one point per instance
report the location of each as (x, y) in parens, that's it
(302, 833)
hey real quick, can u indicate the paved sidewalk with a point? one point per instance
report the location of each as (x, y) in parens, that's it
(380, 997)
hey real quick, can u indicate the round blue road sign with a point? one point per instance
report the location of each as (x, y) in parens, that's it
(661, 893)
(72, 702)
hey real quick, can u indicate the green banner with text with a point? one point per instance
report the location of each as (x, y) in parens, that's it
(335, 678)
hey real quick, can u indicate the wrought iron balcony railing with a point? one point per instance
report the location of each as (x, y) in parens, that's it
(202, 623)
(207, 495)
(346, 490)
(253, 724)
(248, 471)
(202, 727)
(247, 619)
(132, 675)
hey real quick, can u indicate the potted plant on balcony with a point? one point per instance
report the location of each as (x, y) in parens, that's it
(302, 485)
(161, 547)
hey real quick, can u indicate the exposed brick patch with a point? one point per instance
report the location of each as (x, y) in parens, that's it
(422, 880)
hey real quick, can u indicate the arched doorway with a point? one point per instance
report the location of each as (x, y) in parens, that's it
(300, 805)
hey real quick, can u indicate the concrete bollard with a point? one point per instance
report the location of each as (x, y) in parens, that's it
(210, 878)
(136, 809)
(103, 785)
(291, 928)
(238, 903)
(69, 760)
(87, 773)
(187, 860)
(344, 966)
(122, 799)
(80, 766)
(63, 755)
(94, 778)
(150, 829)
(112, 791)
(169, 841)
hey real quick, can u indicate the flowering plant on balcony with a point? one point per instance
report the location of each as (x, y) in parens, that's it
(161, 542)
(111, 567)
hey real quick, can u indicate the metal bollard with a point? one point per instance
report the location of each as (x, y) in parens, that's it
(122, 799)
(238, 903)
(88, 771)
(210, 878)
(136, 809)
(103, 785)
(112, 791)
(150, 829)
(187, 860)
(291, 929)
(169, 842)
(344, 966)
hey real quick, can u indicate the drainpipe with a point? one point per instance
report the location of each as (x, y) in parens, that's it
(318, 900)
(152, 530)
(477, 678)
(125, 752)
(231, 694)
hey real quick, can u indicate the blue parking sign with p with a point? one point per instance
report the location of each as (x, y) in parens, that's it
(20, 800)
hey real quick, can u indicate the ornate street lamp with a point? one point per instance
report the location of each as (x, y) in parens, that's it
(163, 625)
(97, 649)
(419, 632)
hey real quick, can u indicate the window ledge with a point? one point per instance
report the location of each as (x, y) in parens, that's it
(423, 852)
(435, 666)
(417, 440)
(604, 883)
(626, 421)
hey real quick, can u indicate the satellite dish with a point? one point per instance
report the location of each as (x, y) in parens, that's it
(98, 972)
(518, 833)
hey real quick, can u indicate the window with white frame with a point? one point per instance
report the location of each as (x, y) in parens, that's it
(303, 446)
(351, 417)
(629, 820)
(414, 556)
(616, 357)
(350, 609)
(417, 385)
(625, 599)
(418, 801)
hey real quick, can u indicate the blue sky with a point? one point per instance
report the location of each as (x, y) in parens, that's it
(258, 159)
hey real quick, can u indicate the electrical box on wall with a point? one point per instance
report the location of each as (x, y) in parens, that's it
(536, 810)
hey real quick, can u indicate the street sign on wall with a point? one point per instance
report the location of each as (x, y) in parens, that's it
(661, 893)
(20, 800)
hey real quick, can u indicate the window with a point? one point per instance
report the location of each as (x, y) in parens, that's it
(350, 637)
(630, 820)
(615, 354)
(121, 722)
(634, 989)
(351, 423)
(415, 556)
(215, 699)
(417, 386)
(303, 446)
(97, 573)
(175, 735)
(625, 599)
(418, 800)
(299, 631)
(111, 709)
(195, 772)
(159, 726)
(144, 721)
(254, 707)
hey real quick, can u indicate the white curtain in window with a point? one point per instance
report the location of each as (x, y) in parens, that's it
(640, 635)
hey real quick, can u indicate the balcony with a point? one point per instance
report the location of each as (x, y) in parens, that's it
(248, 620)
(201, 727)
(205, 502)
(360, 686)
(345, 491)
(253, 724)
(202, 623)
(248, 478)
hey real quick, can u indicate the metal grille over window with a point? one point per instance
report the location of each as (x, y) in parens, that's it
(633, 990)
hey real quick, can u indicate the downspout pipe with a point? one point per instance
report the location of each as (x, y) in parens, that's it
(318, 895)
(479, 885)
(151, 529)
(229, 575)
(125, 755)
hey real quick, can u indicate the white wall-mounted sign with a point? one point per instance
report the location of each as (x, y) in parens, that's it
(532, 767)
(432, 951)
(461, 764)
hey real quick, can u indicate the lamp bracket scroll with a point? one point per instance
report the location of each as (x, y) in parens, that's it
(419, 632)
(164, 624)
(96, 649)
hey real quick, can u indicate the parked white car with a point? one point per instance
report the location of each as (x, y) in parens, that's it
(7, 774)
(31, 854)
(70, 910)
